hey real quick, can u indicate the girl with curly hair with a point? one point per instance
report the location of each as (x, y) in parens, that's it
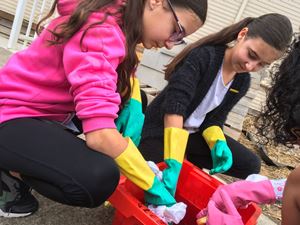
(281, 114)
(281, 118)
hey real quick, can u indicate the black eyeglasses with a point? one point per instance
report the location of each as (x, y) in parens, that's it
(177, 36)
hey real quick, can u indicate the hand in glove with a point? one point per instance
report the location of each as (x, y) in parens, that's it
(135, 168)
(238, 195)
(131, 119)
(220, 152)
(227, 215)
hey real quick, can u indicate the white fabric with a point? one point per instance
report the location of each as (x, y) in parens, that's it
(256, 177)
(155, 170)
(173, 214)
(212, 100)
(278, 186)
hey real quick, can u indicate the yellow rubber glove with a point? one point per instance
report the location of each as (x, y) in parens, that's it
(220, 152)
(131, 119)
(135, 168)
(175, 141)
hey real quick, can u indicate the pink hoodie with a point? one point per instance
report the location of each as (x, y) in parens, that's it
(55, 81)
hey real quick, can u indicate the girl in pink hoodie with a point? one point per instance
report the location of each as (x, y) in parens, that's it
(74, 78)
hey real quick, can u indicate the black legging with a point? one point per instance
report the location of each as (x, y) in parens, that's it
(245, 162)
(56, 163)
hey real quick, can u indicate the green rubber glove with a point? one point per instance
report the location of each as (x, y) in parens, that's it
(135, 168)
(131, 119)
(220, 152)
(221, 157)
(175, 141)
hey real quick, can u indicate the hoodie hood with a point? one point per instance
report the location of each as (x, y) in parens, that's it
(66, 7)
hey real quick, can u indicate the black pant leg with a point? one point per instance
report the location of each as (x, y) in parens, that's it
(46, 155)
(245, 162)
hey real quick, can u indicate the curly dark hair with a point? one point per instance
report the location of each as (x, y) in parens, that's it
(282, 110)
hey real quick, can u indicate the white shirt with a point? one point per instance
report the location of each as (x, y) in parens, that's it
(212, 100)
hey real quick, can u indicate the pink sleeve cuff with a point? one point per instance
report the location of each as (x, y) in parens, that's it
(98, 123)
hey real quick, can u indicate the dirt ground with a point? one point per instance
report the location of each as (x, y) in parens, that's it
(280, 154)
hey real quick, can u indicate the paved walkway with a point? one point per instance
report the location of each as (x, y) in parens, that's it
(51, 213)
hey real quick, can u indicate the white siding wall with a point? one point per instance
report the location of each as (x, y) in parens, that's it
(289, 8)
(222, 13)
(9, 6)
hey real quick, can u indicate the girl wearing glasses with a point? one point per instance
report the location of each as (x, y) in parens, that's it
(205, 81)
(81, 65)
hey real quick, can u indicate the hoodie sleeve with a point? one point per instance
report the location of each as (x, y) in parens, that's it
(91, 71)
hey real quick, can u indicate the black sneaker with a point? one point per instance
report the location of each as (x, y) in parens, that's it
(16, 199)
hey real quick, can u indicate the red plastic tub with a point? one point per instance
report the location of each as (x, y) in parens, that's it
(194, 188)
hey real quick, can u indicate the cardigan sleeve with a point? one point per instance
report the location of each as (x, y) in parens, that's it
(183, 82)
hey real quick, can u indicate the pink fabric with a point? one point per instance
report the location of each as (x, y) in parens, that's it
(54, 81)
(227, 198)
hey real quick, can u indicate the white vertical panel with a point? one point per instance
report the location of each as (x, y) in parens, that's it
(17, 24)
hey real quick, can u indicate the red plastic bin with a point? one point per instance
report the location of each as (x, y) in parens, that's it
(194, 188)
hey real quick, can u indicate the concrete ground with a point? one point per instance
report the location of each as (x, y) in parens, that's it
(51, 213)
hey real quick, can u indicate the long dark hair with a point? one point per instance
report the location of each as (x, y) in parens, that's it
(282, 110)
(275, 29)
(199, 7)
(131, 24)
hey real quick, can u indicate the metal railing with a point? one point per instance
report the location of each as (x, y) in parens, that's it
(36, 11)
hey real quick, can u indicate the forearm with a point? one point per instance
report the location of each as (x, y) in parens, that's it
(131, 164)
(107, 141)
(173, 120)
(220, 152)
